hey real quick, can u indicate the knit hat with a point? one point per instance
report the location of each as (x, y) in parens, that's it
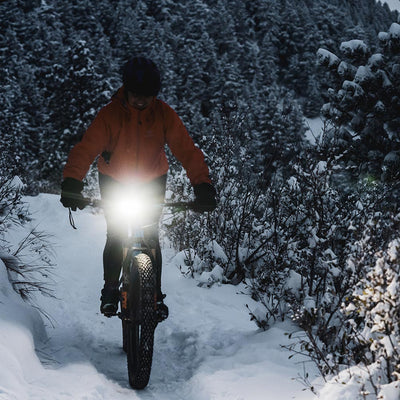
(141, 76)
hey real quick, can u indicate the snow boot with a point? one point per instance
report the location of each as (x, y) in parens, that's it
(162, 311)
(109, 300)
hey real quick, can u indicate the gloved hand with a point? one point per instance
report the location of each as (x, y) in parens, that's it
(71, 195)
(205, 197)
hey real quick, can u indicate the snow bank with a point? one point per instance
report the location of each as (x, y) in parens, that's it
(353, 384)
(20, 328)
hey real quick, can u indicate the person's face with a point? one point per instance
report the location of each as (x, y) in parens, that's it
(138, 101)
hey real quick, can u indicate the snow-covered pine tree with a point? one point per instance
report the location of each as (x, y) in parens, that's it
(236, 59)
(277, 133)
(365, 107)
(78, 92)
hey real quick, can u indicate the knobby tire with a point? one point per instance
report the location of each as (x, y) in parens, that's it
(139, 332)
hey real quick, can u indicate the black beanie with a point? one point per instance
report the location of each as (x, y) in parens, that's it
(141, 76)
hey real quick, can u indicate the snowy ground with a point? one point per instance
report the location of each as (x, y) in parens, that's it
(207, 349)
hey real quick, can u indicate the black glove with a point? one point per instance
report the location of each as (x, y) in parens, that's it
(71, 195)
(205, 197)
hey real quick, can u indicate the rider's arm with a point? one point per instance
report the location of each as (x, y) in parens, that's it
(93, 143)
(184, 149)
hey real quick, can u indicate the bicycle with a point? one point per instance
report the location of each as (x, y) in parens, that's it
(138, 298)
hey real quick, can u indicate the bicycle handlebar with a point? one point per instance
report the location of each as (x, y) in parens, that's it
(177, 204)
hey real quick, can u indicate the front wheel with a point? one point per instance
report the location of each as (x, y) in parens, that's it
(139, 330)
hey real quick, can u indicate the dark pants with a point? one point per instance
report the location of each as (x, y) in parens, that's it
(113, 251)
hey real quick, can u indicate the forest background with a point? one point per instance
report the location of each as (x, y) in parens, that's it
(311, 228)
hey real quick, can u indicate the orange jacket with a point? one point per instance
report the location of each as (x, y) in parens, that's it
(136, 142)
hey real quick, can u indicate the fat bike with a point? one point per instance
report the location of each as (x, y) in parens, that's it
(139, 311)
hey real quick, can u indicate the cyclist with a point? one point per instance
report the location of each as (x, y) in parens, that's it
(129, 134)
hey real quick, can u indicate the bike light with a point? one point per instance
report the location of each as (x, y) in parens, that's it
(130, 208)
(131, 205)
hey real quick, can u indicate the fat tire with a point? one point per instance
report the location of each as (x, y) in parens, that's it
(139, 332)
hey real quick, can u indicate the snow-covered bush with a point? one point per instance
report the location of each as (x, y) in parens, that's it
(288, 242)
(374, 317)
(243, 154)
(12, 209)
(368, 362)
(314, 225)
(28, 261)
(231, 237)
(348, 328)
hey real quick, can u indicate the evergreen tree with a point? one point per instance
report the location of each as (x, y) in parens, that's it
(365, 106)
(210, 54)
(279, 129)
(77, 93)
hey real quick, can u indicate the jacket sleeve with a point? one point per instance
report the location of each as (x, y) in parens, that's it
(93, 143)
(184, 149)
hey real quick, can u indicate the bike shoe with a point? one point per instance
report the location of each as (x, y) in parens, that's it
(161, 311)
(109, 301)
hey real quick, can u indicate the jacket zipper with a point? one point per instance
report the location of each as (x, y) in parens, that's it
(138, 143)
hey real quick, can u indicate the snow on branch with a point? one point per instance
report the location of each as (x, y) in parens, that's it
(354, 46)
(326, 58)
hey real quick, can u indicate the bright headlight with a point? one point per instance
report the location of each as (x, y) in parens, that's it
(132, 205)
(130, 208)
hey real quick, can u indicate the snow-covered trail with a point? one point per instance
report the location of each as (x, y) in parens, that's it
(206, 349)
